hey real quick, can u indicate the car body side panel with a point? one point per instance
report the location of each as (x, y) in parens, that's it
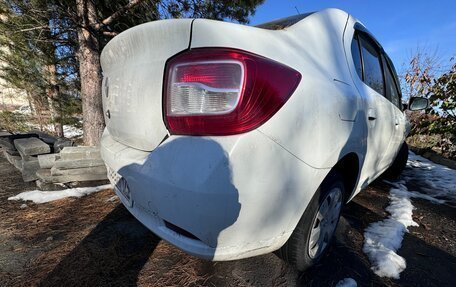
(381, 135)
(319, 121)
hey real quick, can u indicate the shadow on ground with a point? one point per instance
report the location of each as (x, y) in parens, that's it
(112, 254)
(121, 252)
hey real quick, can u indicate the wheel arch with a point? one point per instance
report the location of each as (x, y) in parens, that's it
(349, 167)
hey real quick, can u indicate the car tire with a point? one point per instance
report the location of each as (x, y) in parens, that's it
(399, 163)
(300, 249)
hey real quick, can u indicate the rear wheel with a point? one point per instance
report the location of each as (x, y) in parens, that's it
(314, 232)
(395, 170)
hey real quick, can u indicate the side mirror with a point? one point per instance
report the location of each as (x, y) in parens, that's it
(418, 103)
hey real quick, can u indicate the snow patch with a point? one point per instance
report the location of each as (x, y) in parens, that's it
(68, 131)
(425, 180)
(431, 181)
(382, 239)
(347, 282)
(71, 131)
(39, 196)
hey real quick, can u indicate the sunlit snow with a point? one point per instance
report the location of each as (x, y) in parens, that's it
(429, 180)
(421, 179)
(38, 196)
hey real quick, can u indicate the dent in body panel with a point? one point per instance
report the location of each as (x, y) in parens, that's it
(249, 202)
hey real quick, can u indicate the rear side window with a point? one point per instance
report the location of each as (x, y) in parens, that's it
(392, 90)
(356, 54)
(284, 22)
(373, 75)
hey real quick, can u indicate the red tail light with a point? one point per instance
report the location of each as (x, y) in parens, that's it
(217, 91)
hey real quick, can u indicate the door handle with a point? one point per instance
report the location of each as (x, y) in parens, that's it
(371, 114)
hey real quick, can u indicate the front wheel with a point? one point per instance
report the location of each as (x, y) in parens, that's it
(314, 232)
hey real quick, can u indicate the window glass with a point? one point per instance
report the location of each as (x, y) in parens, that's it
(373, 75)
(357, 56)
(391, 89)
(284, 22)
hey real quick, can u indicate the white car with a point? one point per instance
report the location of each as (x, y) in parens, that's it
(230, 141)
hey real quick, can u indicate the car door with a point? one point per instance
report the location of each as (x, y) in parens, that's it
(393, 94)
(379, 117)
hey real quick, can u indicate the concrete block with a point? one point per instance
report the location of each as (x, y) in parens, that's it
(29, 169)
(28, 157)
(7, 156)
(48, 160)
(80, 152)
(4, 133)
(47, 138)
(70, 164)
(17, 162)
(12, 152)
(13, 159)
(83, 170)
(60, 143)
(31, 146)
(7, 141)
(46, 176)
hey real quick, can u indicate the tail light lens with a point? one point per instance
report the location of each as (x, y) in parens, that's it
(216, 91)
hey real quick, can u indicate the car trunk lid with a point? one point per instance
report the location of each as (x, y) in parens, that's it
(133, 64)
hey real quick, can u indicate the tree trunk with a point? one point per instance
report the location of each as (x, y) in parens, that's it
(53, 100)
(90, 74)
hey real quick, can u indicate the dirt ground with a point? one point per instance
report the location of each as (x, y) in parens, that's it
(92, 241)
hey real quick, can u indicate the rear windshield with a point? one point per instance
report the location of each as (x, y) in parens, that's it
(284, 22)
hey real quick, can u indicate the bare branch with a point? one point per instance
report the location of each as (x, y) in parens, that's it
(110, 34)
(31, 29)
(117, 14)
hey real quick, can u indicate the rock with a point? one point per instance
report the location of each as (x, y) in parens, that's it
(45, 175)
(46, 186)
(31, 146)
(50, 238)
(80, 152)
(60, 143)
(70, 164)
(83, 170)
(23, 206)
(48, 160)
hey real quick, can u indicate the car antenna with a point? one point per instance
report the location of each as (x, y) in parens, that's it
(297, 10)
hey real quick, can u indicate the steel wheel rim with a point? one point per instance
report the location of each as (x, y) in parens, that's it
(325, 222)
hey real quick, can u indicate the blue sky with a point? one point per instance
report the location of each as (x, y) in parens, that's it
(400, 26)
